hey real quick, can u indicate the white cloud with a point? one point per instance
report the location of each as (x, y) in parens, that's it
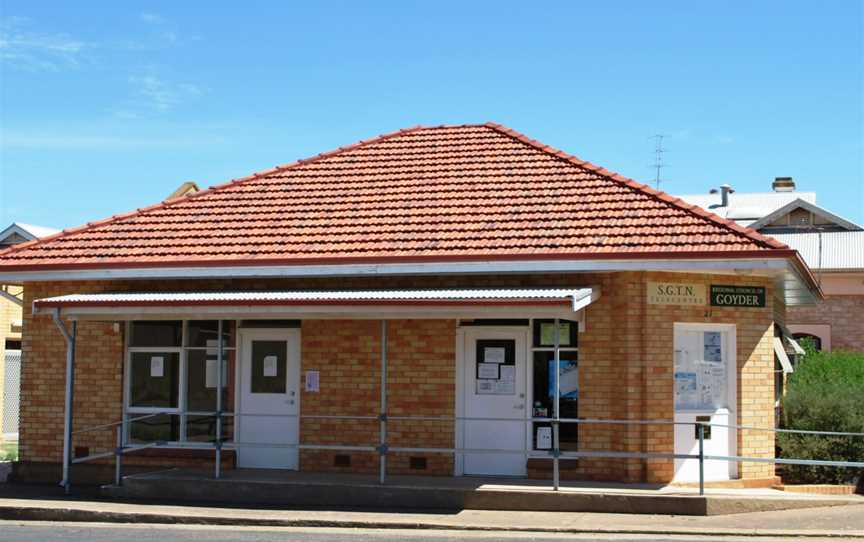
(151, 18)
(23, 47)
(154, 93)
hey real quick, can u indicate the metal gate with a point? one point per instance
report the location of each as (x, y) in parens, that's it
(11, 394)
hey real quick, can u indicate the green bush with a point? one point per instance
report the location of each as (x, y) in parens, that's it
(825, 393)
(9, 451)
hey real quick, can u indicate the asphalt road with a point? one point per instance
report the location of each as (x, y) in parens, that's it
(14, 531)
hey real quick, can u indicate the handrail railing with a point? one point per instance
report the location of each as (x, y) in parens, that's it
(383, 448)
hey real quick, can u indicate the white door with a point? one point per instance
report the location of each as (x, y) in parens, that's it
(269, 398)
(705, 370)
(493, 376)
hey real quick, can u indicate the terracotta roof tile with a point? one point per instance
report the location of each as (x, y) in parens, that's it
(439, 192)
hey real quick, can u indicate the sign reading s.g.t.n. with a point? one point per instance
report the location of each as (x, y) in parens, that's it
(675, 293)
(737, 296)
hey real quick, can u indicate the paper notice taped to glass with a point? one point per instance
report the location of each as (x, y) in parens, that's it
(494, 354)
(157, 366)
(270, 368)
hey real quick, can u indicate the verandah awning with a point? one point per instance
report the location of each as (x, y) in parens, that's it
(445, 303)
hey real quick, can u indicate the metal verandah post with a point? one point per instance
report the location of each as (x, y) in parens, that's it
(219, 385)
(118, 457)
(700, 429)
(382, 447)
(556, 428)
(70, 387)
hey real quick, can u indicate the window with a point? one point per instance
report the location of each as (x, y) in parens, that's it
(815, 340)
(172, 378)
(544, 375)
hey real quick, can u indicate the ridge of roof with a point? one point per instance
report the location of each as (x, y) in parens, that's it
(635, 185)
(215, 188)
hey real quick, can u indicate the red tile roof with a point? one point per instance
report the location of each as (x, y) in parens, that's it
(422, 193)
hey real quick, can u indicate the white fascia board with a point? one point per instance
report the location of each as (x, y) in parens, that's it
(518, 266)
(328, 312)
(760, 267)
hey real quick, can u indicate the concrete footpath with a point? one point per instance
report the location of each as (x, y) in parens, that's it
(839, 521)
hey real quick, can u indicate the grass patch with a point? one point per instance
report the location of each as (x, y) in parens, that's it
(9, 451)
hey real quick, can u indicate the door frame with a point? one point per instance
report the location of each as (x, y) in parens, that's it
(292, 336)
(731, 380)
(461, 336)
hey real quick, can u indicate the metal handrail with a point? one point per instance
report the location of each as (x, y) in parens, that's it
(553, 454)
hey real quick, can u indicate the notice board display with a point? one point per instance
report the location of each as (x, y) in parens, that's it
(496, 367)
(701, 380)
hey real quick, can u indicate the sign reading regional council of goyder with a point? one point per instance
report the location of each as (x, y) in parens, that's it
(676, 293)
(737, 296)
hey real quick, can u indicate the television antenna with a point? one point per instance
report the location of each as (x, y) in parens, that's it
(658, 164)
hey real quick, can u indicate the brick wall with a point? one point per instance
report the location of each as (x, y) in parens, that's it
(626, 365)
(845, 315)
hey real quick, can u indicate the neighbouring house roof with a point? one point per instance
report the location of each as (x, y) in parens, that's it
(840, 251)
(20, 232)
(825, 214)
(745, 208)
(189, 187)
(421, 194)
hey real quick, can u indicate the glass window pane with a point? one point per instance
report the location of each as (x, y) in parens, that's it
(203, 428)
(154, 379)
(269, 366)
(162, 427)
(202, 333)
(201, 380)
(156, 333)
(544, 393)
(544, 333)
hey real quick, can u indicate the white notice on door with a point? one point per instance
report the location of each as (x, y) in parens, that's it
(157, 366)
(270, 366)
(487, 370)
(493, 355)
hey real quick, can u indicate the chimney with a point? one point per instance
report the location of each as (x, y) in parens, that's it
(725, 190)
(783, 184)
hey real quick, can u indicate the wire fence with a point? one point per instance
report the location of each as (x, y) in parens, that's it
(11, 395)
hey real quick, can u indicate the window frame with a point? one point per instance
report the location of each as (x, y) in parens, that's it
(130, 411)
(532, 450)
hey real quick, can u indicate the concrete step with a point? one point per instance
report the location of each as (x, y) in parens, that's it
(443, 495)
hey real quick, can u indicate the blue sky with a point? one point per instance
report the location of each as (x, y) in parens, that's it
(109, 106)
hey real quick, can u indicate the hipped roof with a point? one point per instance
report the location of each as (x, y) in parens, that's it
(420, 194)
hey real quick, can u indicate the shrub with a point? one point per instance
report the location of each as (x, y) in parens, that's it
(825, 393)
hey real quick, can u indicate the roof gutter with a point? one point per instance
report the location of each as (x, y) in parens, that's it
(772, 262)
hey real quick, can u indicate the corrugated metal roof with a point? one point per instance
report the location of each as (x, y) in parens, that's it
(842, 250)
(747, 207)
(319, 297)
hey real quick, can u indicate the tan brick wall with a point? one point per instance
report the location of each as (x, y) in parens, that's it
(845, 315)
(626, 365)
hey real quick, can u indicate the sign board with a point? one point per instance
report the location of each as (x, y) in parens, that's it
(676, 293)
(737, 296)
(313, 381)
